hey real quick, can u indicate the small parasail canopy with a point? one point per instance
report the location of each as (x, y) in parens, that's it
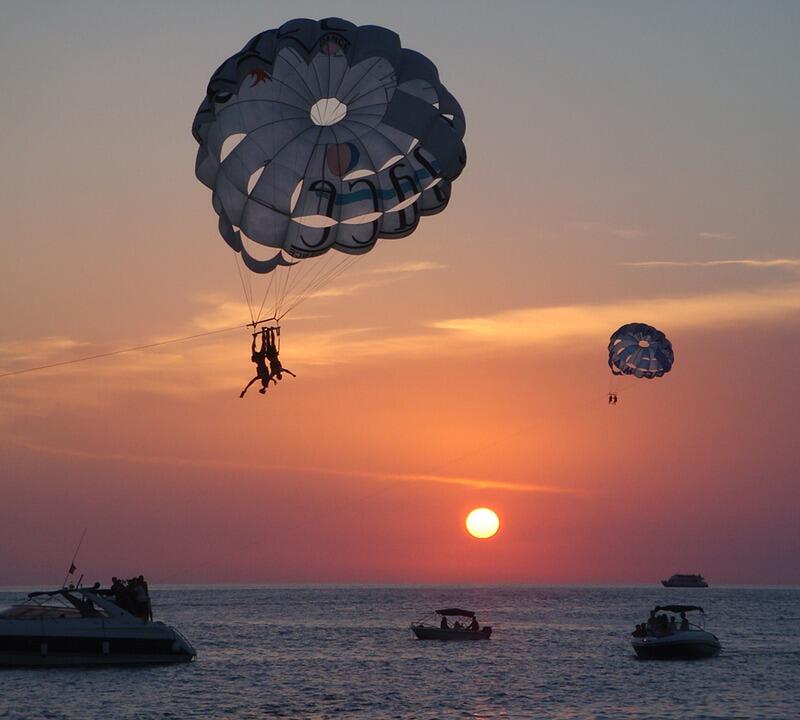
(640, 350)
(678, 608)
(456, 612)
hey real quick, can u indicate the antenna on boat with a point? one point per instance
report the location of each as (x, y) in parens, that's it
(72, 567)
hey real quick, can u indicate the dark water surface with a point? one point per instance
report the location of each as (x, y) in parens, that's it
(324, 652)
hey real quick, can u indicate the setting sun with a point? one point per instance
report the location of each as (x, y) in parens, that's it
(482, 523)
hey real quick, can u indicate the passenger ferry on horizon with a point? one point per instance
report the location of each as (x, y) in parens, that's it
(685, 581)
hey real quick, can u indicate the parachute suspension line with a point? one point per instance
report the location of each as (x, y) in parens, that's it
(283, 285)
(320, 282)
(334, 273)
(247, 298)
(266, 295)
(316, 266)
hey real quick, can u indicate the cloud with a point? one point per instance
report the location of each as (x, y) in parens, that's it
(746, 262)
(543, 325)
(716, 235)
(214, 464)
(41, 349)
(620, 232)
(410, 267)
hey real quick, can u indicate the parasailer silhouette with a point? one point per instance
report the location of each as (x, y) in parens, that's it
(259, 357)
(276, 369)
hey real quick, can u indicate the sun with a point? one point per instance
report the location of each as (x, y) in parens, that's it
(482, 523)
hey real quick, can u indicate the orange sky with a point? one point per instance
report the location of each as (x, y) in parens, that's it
(613, 176)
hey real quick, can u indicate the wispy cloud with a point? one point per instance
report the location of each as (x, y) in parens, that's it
(33, 350)
(716, 235)
(746, 262)
(624, 233)
(215, 464)
(410, 267)
(542, 325)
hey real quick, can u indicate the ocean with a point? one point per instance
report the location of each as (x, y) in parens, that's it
(347, 652)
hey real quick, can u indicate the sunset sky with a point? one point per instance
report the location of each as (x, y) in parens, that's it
(626, 162)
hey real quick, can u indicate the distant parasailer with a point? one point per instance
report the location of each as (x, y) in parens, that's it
(639, 350)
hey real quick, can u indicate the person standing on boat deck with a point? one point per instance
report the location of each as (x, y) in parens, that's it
(444, 624)
(139, 599)
(148, 604)
(673, 627)
(474, 625)
(684, 622)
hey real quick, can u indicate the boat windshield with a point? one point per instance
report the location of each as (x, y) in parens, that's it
(59, 605)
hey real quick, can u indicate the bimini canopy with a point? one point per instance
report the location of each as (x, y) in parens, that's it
(679, 608)
(456, 612)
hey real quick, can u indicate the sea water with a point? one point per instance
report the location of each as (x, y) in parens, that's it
(347, 652)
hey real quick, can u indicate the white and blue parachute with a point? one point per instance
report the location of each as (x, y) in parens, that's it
(640, 350)
(322, 135)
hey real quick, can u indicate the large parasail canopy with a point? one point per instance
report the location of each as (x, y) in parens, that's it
(322, 135)
(640, 350)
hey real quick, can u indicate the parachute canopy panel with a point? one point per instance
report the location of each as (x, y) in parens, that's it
(640, 350)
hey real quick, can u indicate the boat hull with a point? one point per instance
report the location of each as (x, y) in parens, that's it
(675, 647)
(22, 661)
(24, 644)
(668, 583)
(425, 632)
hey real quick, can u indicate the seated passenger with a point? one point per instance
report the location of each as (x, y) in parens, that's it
(673, 627)
(457, 625)
(662, 625)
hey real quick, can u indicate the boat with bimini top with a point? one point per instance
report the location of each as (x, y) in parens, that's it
(459, 630)
(662, 637)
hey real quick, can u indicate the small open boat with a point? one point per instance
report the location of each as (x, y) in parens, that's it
(661, 638)
(442, 630)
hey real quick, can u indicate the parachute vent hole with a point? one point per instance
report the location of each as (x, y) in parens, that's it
(327, 111)
(644, 344)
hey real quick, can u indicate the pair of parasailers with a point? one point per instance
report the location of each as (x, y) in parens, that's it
(268, 353)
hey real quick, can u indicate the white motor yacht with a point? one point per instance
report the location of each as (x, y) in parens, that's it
(84, 626)
(662, 639)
